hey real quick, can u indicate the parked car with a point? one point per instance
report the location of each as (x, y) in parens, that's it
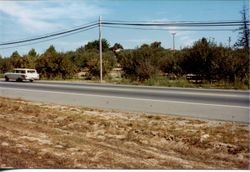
(20, 74)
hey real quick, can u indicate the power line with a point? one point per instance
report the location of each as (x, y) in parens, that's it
(161, 21)
(177, 24)
(167, 29)
(136, 25)
(48, 39)
(58, 31)
(48, 36)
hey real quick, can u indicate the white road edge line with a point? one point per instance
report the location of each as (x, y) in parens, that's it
(138, 86)
(143, 91)
(170, 101)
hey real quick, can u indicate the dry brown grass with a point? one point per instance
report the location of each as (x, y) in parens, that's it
(36, 135)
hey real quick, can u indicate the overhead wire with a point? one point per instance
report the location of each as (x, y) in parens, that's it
(166, 29)
(48, 36)
(69, 34)
(205, 24)
(140, 25)
(176, 22)
(169, 21)
(58, 31)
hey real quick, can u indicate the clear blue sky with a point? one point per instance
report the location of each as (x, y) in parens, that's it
(29, 18)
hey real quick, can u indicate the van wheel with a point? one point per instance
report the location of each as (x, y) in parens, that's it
(31, 80)
(6, 78)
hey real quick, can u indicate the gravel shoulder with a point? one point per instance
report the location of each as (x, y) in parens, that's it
(38, 135)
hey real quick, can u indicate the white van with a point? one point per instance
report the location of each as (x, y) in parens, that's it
(20, 74)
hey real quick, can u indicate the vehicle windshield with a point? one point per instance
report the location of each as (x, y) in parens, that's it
(19, 71)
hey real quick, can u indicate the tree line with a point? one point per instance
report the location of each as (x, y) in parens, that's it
(204, 58)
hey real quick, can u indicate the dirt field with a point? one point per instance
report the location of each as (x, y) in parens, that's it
(36, 135)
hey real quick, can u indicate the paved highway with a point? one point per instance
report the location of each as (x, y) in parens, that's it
(205, 103)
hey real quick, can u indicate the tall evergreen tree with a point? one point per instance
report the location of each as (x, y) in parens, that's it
(243, 40)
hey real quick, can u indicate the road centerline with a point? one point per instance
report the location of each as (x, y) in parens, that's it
(119, 97)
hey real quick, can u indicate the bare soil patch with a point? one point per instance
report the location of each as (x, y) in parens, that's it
(38, 135)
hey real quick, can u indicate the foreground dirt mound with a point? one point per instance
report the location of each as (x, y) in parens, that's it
(35, 135)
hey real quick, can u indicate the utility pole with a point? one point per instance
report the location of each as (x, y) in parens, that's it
(173, 41)
(100, 48)
(229, 42)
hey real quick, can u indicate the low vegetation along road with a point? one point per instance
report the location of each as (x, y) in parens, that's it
(40, 135)
(203, 103)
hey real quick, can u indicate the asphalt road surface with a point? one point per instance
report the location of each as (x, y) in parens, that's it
(217, 104)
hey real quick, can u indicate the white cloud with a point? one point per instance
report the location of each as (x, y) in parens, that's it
(36, 16)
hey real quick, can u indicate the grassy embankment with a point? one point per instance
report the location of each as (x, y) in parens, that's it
(179, 82)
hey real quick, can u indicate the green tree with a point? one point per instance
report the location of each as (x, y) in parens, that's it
(16, 60)
(241, 65)
(94, 45)
(55, 65)
(156, 45)
(116, 46)
(93, 63)
(29, 60)
(1, 64)
(200, 59)
(32, 53)
(243, 40)
(143, 63)
(5, 65)
(66, 69)
(80, 57)
(231, 65)
(170, 64)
